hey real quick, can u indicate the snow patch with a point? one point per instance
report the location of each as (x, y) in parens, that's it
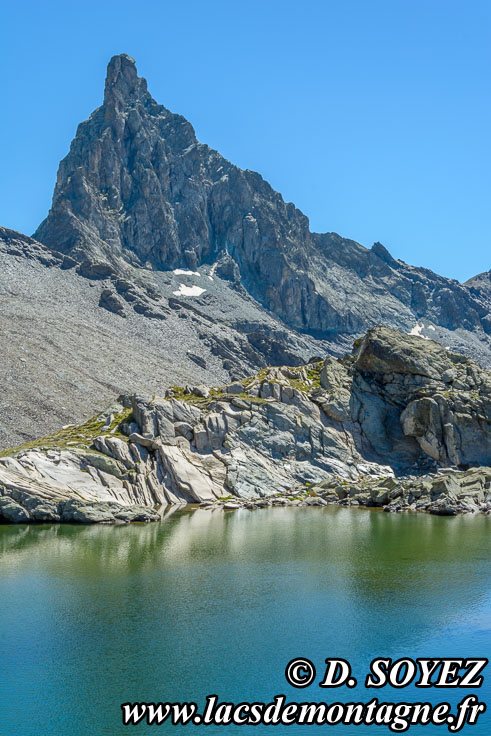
(417, 330)
(188, 290)
(185, 272)
(430, 327)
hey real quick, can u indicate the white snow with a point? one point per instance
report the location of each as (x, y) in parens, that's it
(417, 330)
(188, 290)
(185, 272)
(430, 327)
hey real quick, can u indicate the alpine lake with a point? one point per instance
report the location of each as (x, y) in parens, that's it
(213, 602)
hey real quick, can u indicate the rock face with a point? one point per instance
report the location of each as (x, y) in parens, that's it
(160, 261)
(67, 351)
(137, 189)
(401, 422)
(445, 398)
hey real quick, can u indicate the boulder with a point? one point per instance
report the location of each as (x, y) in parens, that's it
(45, 511)
(95, 271)
(112, 302)
(81, 512)
(12, 511)
(384, 350)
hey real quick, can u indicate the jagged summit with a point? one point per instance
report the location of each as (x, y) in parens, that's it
(162, 262)
(138, 190)
(122, 81)
(481, 283)
(119, 63)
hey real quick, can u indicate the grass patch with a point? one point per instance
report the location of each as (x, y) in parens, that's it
(82, 435)
(312, 371)
(252, 399)
(199, 401)
(215, 395)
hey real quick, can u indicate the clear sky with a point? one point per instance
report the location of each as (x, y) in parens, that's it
(373, 116)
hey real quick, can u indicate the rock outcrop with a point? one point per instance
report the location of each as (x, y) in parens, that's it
(441, 399)
(74, 335)
(400, 423)
(161, 261)
(138, 190)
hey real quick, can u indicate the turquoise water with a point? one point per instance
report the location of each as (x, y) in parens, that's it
(212, 602)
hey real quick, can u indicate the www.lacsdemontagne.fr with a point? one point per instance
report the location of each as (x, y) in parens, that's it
(397, 717)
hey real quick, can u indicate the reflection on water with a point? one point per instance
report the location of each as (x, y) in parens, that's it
(219, 602)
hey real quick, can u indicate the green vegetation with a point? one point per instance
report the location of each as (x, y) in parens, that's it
(313, 373)
(253, 399)
(199, 401)
(81, 436)
(217, 393)
(247, 382)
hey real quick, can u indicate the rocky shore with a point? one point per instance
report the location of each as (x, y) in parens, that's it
(446, 493)
(400, 423)
(162, 262)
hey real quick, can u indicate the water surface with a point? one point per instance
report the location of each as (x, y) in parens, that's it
(213, 602)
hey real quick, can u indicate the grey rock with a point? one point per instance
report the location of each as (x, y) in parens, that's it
(383, 351)
(12, 511)
(138, 196)
(144, 441)
(234, 388)
(96, 271)
(111, 301)
(403, 441)
(83, 513)
(46, 512)
(198, 359)
(137, 514)
(137, 187)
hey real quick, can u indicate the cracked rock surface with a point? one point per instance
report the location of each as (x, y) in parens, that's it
(160, 261)
(399, 423)
(138, 188)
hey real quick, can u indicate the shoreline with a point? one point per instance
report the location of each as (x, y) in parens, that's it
(400, 423)
(446, 493)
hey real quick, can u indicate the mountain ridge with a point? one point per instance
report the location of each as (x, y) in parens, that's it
(161, 261)
(137, 187)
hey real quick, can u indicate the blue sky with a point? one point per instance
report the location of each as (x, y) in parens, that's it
(373, 116)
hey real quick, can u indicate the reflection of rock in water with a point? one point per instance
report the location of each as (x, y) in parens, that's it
(160, 611)
(362, 555)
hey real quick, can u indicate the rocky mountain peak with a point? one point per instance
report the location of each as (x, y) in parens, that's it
(137, 189)
(122, 82)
